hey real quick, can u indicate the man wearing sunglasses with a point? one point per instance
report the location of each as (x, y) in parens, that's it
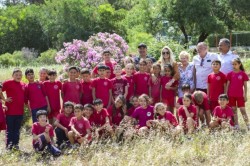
(202, 66)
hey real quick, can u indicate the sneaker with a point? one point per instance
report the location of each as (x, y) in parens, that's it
(54, 150)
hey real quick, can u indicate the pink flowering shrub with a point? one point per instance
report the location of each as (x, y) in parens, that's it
(88, 54)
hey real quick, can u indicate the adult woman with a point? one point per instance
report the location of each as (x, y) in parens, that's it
(186, 70)
(167, 57)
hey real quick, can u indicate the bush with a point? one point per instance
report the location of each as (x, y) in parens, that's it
(7, 60)
(47, 57)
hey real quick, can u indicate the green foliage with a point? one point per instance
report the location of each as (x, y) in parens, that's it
(47, 57)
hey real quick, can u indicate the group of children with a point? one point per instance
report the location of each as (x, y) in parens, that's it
(117, 103)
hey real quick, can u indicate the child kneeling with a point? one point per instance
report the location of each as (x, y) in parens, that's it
(80, 127)
(43, 134)
(222, 114)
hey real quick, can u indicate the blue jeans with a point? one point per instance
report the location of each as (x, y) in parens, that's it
(14, 123)
(34, 111)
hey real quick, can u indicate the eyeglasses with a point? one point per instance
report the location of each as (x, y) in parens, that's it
(202, 62)
(165, 53)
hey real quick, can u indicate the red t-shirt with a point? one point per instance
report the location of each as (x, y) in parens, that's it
(52, 90)
(131, 86)
(110, 65)
(118, 86)
(143, 115)
(98, 118)
(72, 91)
(179, 101)
(155, 88)
(236, 84)
(141, 83)
(81, 125)
(167, 93)
(115, 119)
(170, 117)
(38, 129)
(216, 83)
(225, 113)
(204, 104)
(87, 97)
(191, 109)
(16, 91)
(64, 120)
(102, 87)
(35, 94)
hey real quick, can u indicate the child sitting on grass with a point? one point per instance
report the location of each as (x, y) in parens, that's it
(80, 127)
(222, 114)
(43, 134)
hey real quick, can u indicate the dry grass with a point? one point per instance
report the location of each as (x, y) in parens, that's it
(202, 148)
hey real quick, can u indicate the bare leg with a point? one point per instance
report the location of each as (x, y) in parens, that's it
(244, 115)
(208, 117)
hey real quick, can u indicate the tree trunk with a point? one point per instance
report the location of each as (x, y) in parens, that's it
(183, 30)
(202, 37)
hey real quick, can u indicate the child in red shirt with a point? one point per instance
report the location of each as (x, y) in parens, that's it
(62, 123)
(119, 84)
(102, 87)
(135, 103)
(237, 91)
(168, 93)
(2, 116)
(117, 110)
(88, 110)
(187, 114)
(200, 100)
(72, 89)
(164, 119)
(52, 88)
(130, 68)
(86, 87)
(155, 83)
(100, 119)
(43, 134)
(35, 95)
(141, 79)
(43, 75)
(106, 55)
(15, 107)
(222, 114)
(216, 84)
(80, 127)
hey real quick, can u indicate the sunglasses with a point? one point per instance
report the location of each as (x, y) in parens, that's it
(165, 53)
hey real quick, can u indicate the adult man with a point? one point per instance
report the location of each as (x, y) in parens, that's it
(142, 49)
(202, 66)
(226, 56)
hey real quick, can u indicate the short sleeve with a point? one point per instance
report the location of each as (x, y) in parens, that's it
(135, 113)
(34, 129)
(72, 122)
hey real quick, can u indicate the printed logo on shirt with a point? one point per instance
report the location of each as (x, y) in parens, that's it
(77, 87)
(148, 113)
(240, 77)
(55, 86)
(145, 78)
(80, 126)
(105, 83)
(223, 115)
(218, 78)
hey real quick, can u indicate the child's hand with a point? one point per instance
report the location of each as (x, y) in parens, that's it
(47, 129)
(66, 131)
(8, 100)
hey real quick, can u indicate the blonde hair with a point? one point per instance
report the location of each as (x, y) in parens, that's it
(198, 96)
(146, 97)
(158, 105)
(171, 57)
(130, 65)
(185, 54)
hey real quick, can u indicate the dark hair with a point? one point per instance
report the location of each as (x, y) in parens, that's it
(216, 61)
(101, 66)
(28, 71)
(170, 67)
(187, 95)
(41, 112)
(97, 101)
(223, 96)
(106, 52)
(16, 70)
(239, 62)
(73, 68)
(67, 104)
(115, 110)
(1, 85)
(85, 71)
(143, 61)
(52, 72)
(185, 87)
(88, 106)
(79, 106)
(108, 68)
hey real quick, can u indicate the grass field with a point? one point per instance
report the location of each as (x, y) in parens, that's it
(202, 148)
